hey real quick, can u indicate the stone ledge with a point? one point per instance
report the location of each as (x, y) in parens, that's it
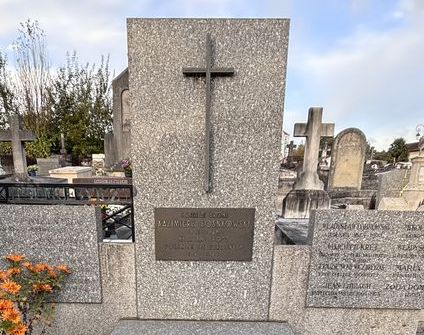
(156, 327)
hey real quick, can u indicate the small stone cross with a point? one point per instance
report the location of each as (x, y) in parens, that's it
(17, 136)
(313, 130)
(291, 146)
(208, 72)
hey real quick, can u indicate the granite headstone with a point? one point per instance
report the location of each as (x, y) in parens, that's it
(366, 259)
(170, 153)
(58, 235)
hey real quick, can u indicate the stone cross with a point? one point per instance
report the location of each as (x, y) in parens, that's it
(208, 72)
(17, 136)
(313, 130)
(290, 146)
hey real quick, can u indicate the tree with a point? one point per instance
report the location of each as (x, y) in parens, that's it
(398, 150)
(33, 81)
(80, 105)
(8, 103)
(382, 156)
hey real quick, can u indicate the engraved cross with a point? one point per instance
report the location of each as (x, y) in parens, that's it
(208, 72)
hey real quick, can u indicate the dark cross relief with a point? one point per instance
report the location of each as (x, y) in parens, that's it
(208, 72)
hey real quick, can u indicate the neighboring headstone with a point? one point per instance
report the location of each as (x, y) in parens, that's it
(118, 142)
(98, 163)
(308, 192)
(47, 164)
(17, 136)
(412, 195)
(59, 235)
(347, 160)
(391, 183)
(366, 259)
(240, 69)
(313, 130)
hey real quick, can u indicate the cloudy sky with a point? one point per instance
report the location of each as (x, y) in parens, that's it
(362, 60)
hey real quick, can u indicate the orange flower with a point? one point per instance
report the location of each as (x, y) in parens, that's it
(42, 288)
(5, 304)
(63, 268)
(20, 329)
(12, 315)
(41, 267)
(13, 271)
(10, 287)
(27, 265)
(3, 275)
(14, 258)
(52, 274)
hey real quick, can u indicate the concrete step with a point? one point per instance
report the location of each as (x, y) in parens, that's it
(160, 327)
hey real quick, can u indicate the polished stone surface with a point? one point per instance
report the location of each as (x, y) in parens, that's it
(147, 327)
(168, 155)
(57, 235)
(366, 259)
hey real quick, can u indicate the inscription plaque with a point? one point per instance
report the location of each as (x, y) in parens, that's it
(204, 234)
(366, 259)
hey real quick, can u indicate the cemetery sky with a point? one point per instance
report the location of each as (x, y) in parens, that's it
(359, 59)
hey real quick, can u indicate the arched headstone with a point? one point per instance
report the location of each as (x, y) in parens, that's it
(347, 159)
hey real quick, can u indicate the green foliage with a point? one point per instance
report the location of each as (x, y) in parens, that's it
(40, 148)
(398, 150)
(80, 105)
(8, 103)
(5, 148)
(75, 100)
(382, 155)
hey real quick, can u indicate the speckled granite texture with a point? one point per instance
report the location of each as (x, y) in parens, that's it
(366, 259)
(138, 327)
(119, 297)
(289, 287)
(168, 112)
(57, 235)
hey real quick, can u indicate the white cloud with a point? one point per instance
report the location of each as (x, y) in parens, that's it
(372, 80)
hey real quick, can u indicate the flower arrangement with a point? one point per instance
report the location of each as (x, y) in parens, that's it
(123, 165)
(26, 290)
(32, 170)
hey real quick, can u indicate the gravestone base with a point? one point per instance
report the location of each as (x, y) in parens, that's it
(298, 203)
(153, 327)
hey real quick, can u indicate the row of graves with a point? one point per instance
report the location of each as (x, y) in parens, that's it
(206, 112)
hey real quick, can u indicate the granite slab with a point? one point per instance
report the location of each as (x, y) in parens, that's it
(168, 130)
(150, 327)
(57, 235)
(366, 259)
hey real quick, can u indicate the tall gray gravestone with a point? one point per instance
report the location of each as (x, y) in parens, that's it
(206, 99)
(118, 142)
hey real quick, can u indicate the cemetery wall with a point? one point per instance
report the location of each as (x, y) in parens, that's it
(288, 292)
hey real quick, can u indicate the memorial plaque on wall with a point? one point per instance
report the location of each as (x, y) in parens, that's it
(366, 259)
(204, 234)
